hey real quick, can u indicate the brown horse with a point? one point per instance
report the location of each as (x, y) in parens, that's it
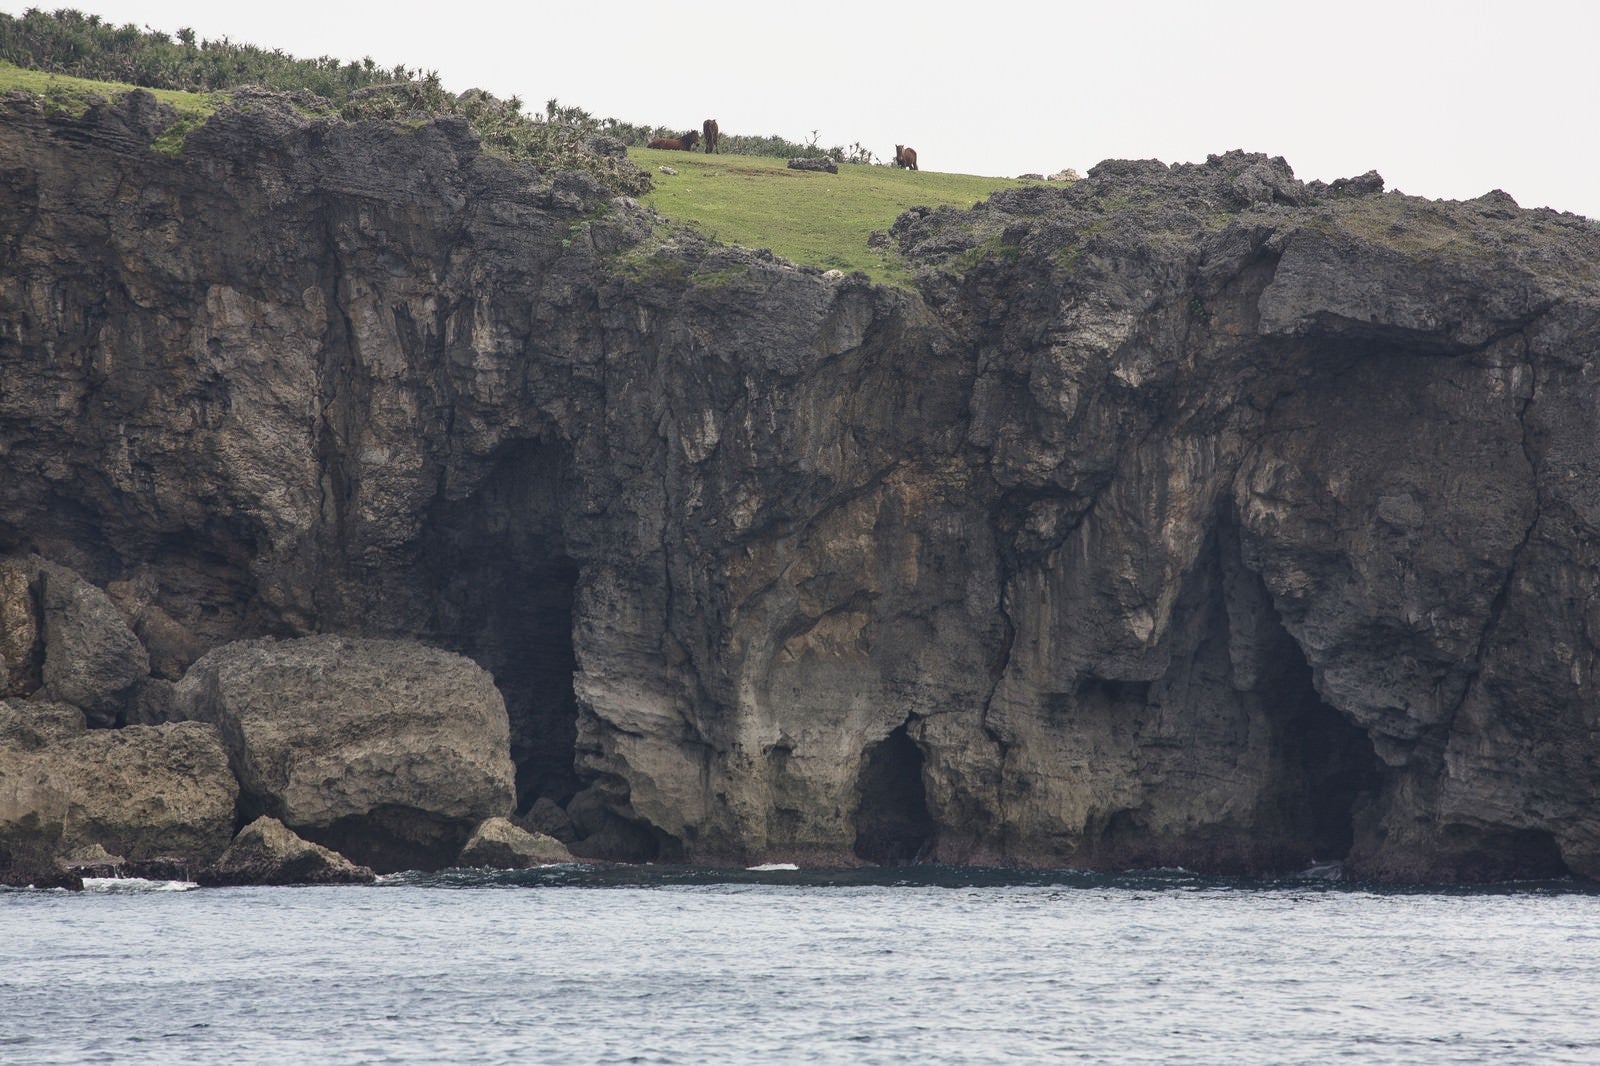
(685, 143)
(905, 157)
(711, 132)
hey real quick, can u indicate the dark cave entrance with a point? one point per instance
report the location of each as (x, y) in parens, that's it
(893, 826)
(1326, 766)
(1478, 854)
(1330, 762)
(504, 588)
(1301, 771)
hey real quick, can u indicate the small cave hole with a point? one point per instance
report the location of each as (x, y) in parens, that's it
(893, 826)
(1479, 855)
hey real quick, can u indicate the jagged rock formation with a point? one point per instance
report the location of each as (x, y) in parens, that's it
(1184, 514)
(267, 852)
(499, 844)
(383, 750)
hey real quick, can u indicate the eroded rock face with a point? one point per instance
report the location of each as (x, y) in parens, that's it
(91, 656)
(144, 792)
(387, 751)
(266, 852)
(1183, 514)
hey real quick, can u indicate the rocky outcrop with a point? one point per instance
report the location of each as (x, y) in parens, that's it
(387, 751)
(1185, 514)
(143, 793)
(61, 633)
(266, 852)
(91, 657)
(503, 846)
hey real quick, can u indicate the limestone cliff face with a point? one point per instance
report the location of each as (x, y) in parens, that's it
(1184, 515)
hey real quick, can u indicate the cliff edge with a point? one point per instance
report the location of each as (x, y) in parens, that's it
(1185, 515)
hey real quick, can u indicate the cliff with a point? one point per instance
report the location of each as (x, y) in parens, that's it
(1184, 515)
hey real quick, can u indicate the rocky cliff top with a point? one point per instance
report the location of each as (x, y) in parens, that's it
(1185, 514)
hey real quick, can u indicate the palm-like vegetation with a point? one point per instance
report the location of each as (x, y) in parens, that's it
(69, 42)
(84, 46)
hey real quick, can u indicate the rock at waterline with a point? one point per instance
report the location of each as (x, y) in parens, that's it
(266, 852)
(388, 751)
(143, 792)
(500, 844)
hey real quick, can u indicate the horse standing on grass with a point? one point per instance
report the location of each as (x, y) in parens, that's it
(711, 132)
(685, 143)
(905, 157)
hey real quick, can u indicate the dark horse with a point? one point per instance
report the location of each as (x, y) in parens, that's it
(678, 144)
(711, 132)
(905, 157)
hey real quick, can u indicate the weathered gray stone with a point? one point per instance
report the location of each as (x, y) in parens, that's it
(820, 164)
(92, 860)
(28, 725)
(266, 852)
(91, 656)
(144, 792)
(152, 702)
(548, 818)
(499, 844)
(388, 751)
(171, 644)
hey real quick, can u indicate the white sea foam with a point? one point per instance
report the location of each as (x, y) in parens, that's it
(764, 867)
(134, 884)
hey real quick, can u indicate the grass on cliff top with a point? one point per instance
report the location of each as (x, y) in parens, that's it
(812, 218)
(816, 219)
(74, 95)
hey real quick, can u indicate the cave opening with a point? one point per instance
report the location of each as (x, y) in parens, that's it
(1327, 769)
(504, 589)
(892, 823)
(1333, 768)
(1478, 854)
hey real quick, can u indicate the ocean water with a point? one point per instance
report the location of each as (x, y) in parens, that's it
(918, 965)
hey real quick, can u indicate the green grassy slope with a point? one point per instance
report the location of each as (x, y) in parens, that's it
(813, 218)
(72, 95)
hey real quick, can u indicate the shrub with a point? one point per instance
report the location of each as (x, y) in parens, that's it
(72, 43)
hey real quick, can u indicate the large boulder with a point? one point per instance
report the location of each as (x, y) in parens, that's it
(91, 656)
(505, 846)
(145, 792)
(267, 852)
(388, 751)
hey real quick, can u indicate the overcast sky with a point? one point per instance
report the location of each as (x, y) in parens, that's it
(1445, 99)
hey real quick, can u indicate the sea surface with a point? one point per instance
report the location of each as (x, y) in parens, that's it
(579, 964)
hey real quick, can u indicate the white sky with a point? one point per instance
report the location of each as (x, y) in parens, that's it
(1445, 98)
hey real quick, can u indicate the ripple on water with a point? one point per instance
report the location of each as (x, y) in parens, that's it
(602, 964)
